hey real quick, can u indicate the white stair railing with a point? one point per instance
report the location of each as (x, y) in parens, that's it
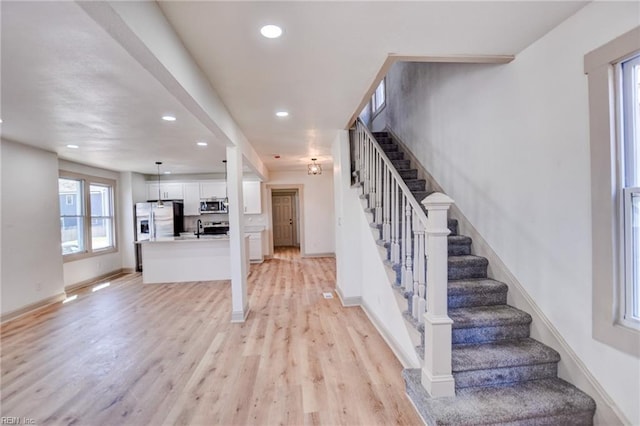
(417, 243)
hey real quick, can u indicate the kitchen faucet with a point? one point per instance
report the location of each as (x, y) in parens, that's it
(198, 226)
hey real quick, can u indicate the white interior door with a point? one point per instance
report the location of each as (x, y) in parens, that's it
(282, 220)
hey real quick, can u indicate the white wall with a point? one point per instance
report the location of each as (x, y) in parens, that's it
(86, 269)
(510, 144)
(361, 278)
(317, 207)
(348, 258)
(31, 242)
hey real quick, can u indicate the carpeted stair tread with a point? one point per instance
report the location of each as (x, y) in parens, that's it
(488, 316)
(476, 292)
(459, 240)
(535, 402)
(466, 266)
(395, 155)
(475, 286)
(408, 173)
(507, 353)
(380, 134)
(458, 245)
(389, 147)
(421, 195)
(416, 185)
(401, 164)
(502, 363)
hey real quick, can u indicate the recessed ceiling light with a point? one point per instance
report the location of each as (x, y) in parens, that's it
(271, 31)
(0, 120)
(202, 143)
(73, 146)
(168, 118)
(282, 114)
(167, 172)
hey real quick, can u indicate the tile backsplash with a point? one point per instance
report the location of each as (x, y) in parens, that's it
(249, 220)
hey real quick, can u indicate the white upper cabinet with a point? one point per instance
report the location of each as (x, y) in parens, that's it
(168, 191)
(213, 189)
(252, 197)
(192, 199)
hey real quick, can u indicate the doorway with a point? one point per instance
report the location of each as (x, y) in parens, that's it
(284, 204)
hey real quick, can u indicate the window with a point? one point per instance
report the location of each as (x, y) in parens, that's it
(612, 77)
(86, 215)
(629, 72)
(378, 98)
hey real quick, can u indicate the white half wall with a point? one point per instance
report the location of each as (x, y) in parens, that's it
(317, 208)
(361, 278)
(510, 144)
(348, 257)
(31, 242)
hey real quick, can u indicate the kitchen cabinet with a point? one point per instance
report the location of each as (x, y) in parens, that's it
(192, 199)
(255, 246)
(252, 197)
(168, 191)
(213, 189)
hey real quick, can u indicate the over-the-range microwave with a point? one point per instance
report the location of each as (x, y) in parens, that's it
(213, 206)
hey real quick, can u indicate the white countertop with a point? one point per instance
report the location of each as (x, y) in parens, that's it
(203, 238)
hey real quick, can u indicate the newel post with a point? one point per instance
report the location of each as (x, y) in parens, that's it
(436, 370)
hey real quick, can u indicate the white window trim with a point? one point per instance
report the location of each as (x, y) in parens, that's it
(375, 111)
(88, 180)
(629, 294)
(606, 197)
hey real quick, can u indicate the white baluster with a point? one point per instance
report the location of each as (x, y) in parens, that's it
(415, 299)
(379, 188)
(386, 205)
(396, 222)
(407, 244)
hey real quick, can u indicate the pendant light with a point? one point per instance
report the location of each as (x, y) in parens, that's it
(314, 168)
(160, 203)
(226, 197)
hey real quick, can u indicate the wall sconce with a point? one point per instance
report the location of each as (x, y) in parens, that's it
(314, 168)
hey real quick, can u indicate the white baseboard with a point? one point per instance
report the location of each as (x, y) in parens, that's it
(10, 316)
(396, 348)
(306, 255)
(113, 274)
(240, 316)
(571, 368)
(348, 302)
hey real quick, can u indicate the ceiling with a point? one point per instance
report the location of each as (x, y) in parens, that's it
(66, 81)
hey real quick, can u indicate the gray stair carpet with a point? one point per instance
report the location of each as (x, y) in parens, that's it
(502, 376)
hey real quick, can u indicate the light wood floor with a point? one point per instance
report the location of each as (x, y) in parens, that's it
(167, 354)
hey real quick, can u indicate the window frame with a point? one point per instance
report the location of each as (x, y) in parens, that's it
(607, 201)
(87, 182)
(375, 111)
(627, 121)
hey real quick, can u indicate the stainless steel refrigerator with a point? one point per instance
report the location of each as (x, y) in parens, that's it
(156, 222)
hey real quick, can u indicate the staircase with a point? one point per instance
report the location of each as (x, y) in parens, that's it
(502, 376)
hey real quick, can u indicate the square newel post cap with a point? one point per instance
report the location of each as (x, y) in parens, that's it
(437, 201)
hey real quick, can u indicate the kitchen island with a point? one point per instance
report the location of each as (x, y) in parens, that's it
(180, 259)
